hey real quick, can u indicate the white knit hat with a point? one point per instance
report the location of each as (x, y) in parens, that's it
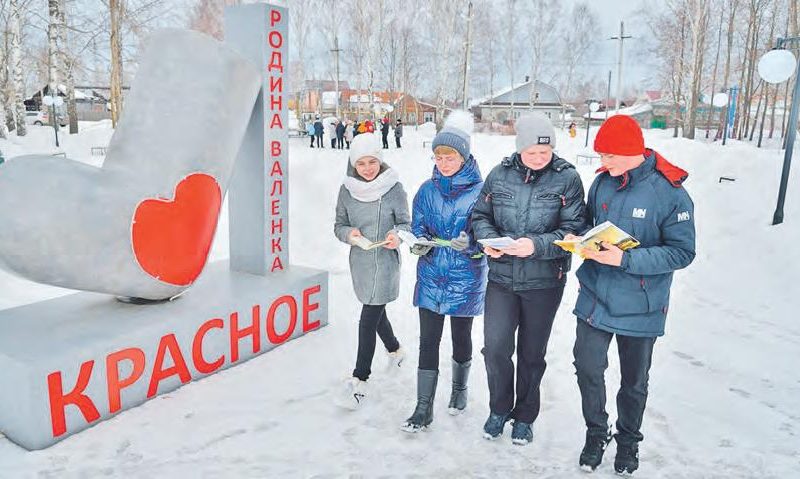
(365, 144)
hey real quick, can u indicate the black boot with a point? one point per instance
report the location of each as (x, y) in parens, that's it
(426, 391)
(627, 459)
(593, 450)
(458, 397)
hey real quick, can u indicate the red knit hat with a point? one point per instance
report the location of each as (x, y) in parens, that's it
(620, 135)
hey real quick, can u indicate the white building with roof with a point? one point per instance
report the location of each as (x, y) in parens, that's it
(510, 103)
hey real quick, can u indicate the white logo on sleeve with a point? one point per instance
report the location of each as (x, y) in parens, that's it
(684, 216)
(639, 212)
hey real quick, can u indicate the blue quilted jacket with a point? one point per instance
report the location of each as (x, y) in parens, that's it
(449, 282)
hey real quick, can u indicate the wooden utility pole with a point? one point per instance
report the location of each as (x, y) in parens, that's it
(622, 37)
(336, 51)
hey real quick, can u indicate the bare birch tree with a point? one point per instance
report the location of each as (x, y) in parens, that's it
(698, 26)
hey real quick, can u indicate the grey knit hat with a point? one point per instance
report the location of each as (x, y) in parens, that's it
(456, 133)
(534, 129)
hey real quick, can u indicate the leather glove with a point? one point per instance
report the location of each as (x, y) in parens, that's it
(420, 249)
(460, 243)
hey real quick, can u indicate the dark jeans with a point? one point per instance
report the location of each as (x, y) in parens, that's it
(333, 142)
(340, 143)
(312, 141)
(431, 326)
(385, 140)
(530, 315)
(397, 141)
(319, 141)
(373, 320)
(348, 144)
(591, 362)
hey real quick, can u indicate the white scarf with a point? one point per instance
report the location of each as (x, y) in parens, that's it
(369, 191)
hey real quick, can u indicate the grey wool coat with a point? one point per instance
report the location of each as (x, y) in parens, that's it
(376, 272)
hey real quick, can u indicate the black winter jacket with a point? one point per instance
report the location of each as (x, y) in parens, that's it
(542, 205)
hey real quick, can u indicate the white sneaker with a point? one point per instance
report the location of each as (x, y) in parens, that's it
(395, 360)
(353, 394)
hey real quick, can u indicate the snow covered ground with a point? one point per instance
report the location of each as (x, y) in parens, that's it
(724, 385)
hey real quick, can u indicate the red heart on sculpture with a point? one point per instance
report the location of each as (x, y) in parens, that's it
(171, 238)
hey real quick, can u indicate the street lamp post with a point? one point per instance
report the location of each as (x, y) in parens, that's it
(53, 102)
(777, 66)
(593, 107)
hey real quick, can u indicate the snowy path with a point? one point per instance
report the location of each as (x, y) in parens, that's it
(724, 384)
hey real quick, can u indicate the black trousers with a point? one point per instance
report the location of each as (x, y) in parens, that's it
(591, 362)
(431, 326)
(312, 140)
(333, 142)
(385, 140)
(397, 141)
(527, 317)
(373, 320)
(339, 142)
(319, 141)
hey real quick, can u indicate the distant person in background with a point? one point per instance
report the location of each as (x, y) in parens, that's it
(348, 133)
(385, 132)
(361, 127)
(369, 126)
(398, 132)
(340, 135)
(319, 130)
(332, 132)
(572, 130)
(310, 132)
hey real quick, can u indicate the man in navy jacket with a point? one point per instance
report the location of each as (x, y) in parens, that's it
(626, 293)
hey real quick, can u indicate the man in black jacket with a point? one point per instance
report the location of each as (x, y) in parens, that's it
(385, 131)
(534, 197)
(319, 130)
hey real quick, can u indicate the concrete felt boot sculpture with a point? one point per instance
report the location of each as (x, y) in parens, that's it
(141, 225)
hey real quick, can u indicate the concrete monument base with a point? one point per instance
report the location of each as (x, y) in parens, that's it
(71, 362)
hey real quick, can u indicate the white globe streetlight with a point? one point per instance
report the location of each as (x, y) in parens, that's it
(777, 66)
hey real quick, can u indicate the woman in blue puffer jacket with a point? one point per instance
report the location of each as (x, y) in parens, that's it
(451, 277)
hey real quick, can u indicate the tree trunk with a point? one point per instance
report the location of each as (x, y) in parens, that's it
(742, 97)
(115, 10)
(714, 75)
(15, 68)
(734, 5)
(52, 43)
(679, 88)
(699, 24)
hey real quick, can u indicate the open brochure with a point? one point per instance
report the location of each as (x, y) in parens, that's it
(497, 243)
(411, 240)
(366, 244)
(606, 232)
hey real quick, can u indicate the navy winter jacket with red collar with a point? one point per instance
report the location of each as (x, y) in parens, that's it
(649, 203)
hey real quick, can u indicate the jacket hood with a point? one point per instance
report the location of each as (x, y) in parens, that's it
(675, 175)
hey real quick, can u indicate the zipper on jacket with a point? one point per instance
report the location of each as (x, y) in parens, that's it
(644, 288)
(375, 251)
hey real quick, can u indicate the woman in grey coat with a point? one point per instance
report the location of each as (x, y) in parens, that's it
(371, 206)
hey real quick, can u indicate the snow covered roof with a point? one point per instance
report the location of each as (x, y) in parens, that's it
(635, 109)
(521, 94)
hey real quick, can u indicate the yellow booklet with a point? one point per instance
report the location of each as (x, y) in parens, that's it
(606, 232)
